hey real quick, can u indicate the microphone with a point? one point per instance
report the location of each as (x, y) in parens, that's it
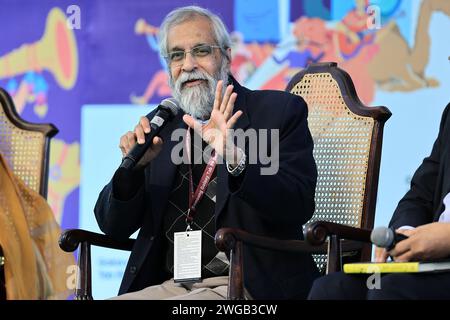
(386, 237)
(166, 111)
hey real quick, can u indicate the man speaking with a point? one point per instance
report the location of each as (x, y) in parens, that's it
(179, 206)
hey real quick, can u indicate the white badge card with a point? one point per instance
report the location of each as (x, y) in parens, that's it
(187, 256)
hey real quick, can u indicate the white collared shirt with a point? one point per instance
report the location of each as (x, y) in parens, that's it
(444, 217)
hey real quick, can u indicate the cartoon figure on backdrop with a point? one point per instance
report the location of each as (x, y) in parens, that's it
(301, 56)
(247, 57)
(32, 90)
(286, 59)
(242, 65)
(395, 66)
(297, 51)
(352, 32)
(159, 82)
(55, 52)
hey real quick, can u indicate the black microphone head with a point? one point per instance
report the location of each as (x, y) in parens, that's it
(382, 237)
(172, 105)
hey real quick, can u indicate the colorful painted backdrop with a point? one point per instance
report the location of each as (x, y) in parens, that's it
(62, 59)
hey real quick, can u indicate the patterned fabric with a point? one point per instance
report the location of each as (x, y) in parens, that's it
(214, 263)
(35, 266)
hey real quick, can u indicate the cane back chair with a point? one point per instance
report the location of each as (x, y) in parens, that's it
(25, 146)
(347, 149)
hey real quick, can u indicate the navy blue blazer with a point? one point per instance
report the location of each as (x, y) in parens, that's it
(269, 205)
(423, 203)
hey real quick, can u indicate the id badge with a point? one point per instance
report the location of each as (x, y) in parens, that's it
(187, 256)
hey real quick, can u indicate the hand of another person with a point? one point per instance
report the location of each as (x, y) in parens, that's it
(129, 139)
(381, 255)
(427, 242)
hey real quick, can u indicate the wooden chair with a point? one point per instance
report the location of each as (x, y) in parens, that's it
(348, 138)
(347, 149)
(25, 146)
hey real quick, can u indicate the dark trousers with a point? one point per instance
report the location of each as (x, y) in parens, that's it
(404, 286)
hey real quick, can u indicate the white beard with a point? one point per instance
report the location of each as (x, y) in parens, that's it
(198, 100)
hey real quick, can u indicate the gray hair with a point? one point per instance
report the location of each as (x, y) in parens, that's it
(183, 14)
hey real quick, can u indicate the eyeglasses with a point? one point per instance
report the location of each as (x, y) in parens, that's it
(200, 51)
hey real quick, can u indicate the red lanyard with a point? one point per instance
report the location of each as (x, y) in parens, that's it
(195, 197)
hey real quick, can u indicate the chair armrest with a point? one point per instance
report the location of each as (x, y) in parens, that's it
(226, 237)
(316, 233)
(231, 240)
(71, 239)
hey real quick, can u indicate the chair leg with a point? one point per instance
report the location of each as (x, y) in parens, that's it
(236, 280)
(334, 254)
(84, 288)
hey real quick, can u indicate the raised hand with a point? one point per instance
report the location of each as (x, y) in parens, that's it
(217, 132)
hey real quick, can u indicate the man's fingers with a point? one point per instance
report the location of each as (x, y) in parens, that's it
(156, 145)
(145, 124)
(123, 145)
(226, 97)
(401, 247)
(127, 141)
(230, 106)
(233, 119)
(140, 135)
(218, 96)
(189, 120)
(122, 149)
(157, 141)
(380, 255)
(192, 123)
(406, 257)
(406, 232)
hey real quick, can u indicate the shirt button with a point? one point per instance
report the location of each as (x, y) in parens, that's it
(133, 269)
(151, 238)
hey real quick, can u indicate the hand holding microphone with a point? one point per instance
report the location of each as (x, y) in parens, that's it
(385, 240)
(386, 237)
(143, 145)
